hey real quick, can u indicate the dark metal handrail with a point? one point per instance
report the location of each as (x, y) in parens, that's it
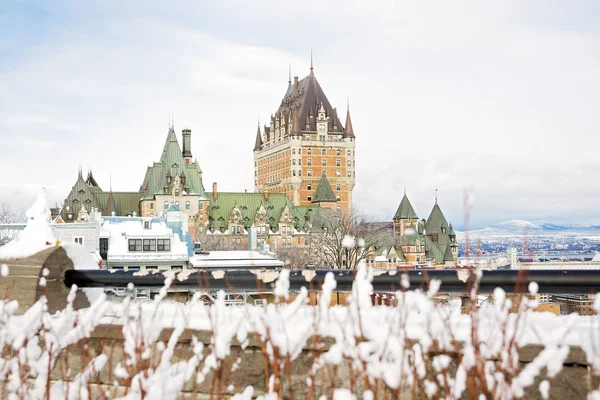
(452, 281)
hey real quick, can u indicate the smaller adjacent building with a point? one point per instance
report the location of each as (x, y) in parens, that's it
(426, 243)
(581, 304)
(132, 243)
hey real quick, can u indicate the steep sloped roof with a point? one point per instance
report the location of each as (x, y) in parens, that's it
(448, 256)
(172, 162)
(258, 142)
(303, 99)
(324, 193)
(405, 210)
(348, 129)
(436, 220)
(249, 204)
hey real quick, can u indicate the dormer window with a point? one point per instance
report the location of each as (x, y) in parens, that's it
(168, 180)
(443, 230)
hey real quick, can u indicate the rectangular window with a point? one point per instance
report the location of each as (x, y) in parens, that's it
(201, 205)
(163, 244)
(309, 161)
(309, 152)
(135, 244)
(309, 172)
(151, 267)
(78, 239)
(338, 163)
(177, 267)
(324, 162)
(338, 187)
(146, 224)
(308, 187)
(149, 244)
(134, 268)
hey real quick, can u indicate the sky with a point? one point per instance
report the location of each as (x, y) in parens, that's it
(495, 99)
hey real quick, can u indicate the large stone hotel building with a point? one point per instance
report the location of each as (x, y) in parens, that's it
(304, 141)
(304, 166)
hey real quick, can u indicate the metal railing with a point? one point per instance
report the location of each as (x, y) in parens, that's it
(452, 281)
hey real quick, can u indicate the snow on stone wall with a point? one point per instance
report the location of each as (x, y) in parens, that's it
(389, 348)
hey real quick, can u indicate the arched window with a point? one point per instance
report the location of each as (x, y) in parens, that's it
(176, 192)
(187, 205)
(166, 205)
(349, 153)
(324, 152)
(309, 198)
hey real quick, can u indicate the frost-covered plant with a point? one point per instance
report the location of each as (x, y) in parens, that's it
(417, 347)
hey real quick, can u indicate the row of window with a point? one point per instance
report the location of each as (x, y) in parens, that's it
(337, 187)
(149, 244)
(309, 197)
(338, 163)
(309, 172)
(338, 152)
(187, 205)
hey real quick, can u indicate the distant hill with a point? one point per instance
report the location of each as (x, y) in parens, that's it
(519, 227)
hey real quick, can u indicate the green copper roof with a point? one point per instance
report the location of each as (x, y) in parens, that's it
(436, 221)
(122, 203)
(324, 193)
(253, 206)
(448, 256)
(172, 163)
(405, 210)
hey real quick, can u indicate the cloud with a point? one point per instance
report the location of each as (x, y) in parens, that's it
(495, 97)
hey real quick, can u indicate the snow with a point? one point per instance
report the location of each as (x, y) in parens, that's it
(37, 235)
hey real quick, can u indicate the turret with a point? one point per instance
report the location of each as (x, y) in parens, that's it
(187, 145)
(258, 142)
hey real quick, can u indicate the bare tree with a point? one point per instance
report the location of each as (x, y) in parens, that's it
(221, 242)
(295, 257)
(7, 216)
(342, 239)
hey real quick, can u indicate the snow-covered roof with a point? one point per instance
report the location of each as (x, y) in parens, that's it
(234, 259)
(119, 231)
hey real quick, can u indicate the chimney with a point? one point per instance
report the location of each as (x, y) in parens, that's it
(215, 194)
(266, 193)
(186, 133)
(296, 81)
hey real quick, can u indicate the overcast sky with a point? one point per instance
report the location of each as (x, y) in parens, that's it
(500, 98)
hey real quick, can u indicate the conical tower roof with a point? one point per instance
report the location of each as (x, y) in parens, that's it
(436, 220)
(448, 256)
(348, 130)
(405, 210)
(324, 192)
(258, 143)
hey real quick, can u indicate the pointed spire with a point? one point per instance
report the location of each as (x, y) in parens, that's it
(290, 75)
(258, 142)
(348, 129)
(312, 69)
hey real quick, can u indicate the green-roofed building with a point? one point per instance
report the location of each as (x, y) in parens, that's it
(174, 180)
(430, 242)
